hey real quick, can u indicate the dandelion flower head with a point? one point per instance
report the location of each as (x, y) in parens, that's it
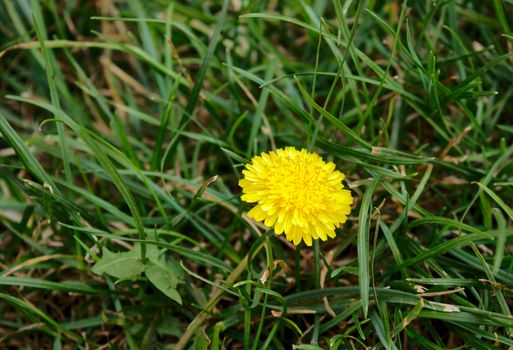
(296, 193)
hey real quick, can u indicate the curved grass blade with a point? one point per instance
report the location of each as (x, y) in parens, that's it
(363, 244)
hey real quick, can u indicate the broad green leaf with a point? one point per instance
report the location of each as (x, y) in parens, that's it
(165, 275)
(152, 252)
(124, 265)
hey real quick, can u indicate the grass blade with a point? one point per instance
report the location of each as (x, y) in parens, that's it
(363, 244)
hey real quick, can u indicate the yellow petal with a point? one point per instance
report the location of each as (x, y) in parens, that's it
(308, 239)
(257, 213)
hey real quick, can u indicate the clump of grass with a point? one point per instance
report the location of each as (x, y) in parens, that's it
(124, 128)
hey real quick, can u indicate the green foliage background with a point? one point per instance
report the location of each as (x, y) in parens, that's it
(124, 126)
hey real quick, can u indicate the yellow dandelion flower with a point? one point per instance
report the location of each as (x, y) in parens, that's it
(297, 193)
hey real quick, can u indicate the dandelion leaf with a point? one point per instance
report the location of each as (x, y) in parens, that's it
(125, 265)
(165, 275)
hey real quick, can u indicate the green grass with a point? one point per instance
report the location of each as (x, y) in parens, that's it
(124, 127)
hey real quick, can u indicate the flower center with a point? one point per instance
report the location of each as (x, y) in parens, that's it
(299, 183)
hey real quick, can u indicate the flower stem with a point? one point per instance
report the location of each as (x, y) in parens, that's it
(317, 281)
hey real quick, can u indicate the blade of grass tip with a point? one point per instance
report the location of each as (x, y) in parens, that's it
(233, 129)
(497, 199)
(358, 325)
(363, 244)
(49, 60)
(25, 155)
(412, 49)
(501, 239)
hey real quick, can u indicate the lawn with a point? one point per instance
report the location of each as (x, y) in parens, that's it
(127, 126)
